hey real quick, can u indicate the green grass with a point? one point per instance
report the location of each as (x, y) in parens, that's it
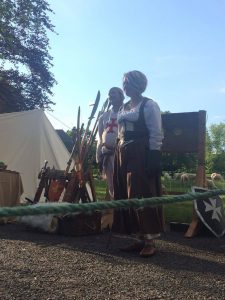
(182, 212)
(177, 212)
(100, 186)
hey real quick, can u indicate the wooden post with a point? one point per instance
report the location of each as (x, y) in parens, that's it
(201, 177)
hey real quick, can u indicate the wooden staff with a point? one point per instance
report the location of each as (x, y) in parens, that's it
(76, 186)
(73, 184)
(42, 182)
(94, 131)
(78, 133)
(94, 109)
(105, 107)
(77, 141)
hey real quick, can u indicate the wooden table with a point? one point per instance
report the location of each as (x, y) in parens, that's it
(11, 188)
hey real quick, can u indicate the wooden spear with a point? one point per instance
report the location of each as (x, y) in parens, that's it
(76, 143)
(95, 128)
(94, 109)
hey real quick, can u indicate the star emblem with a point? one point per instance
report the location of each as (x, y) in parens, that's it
(216, 210)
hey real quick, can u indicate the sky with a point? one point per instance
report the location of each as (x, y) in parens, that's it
(178, 44)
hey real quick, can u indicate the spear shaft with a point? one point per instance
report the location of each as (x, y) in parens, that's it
(76, 142)
(90, 119)
(95, 128)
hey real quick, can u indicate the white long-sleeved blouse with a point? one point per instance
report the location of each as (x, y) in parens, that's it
(153, 121)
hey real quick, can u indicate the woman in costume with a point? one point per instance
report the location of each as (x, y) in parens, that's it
(137, 165)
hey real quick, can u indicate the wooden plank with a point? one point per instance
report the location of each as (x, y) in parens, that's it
(200, 178)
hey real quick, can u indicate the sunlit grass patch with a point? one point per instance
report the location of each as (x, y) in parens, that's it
(175, 212)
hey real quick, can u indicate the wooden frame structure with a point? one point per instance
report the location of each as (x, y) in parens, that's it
(186, 133)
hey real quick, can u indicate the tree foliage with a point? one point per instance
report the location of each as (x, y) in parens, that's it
(25, 78)
(215, 154)
(215, 148)
(216, 138)
(179, 162)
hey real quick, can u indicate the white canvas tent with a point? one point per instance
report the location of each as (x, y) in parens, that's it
(27, 139)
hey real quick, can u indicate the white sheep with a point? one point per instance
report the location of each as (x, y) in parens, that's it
(191, 176)
(167, 176)
(164, 189)
(216, 176)
(210, 183)
(184, 177)
(177, 176)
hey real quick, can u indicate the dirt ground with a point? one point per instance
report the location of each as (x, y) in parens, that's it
(42, 266)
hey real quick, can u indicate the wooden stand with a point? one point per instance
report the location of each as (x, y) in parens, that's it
(200, 178)
(185, 133)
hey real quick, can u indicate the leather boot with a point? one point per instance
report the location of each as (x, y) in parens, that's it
(149, 249)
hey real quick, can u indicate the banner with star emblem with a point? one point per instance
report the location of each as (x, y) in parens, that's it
(211, 212)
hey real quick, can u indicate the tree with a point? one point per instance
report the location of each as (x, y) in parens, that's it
(217, 138)
(179, 162)
(215, 148)
(25, 78)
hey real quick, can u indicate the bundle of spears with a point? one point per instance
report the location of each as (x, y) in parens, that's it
(77, 178)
